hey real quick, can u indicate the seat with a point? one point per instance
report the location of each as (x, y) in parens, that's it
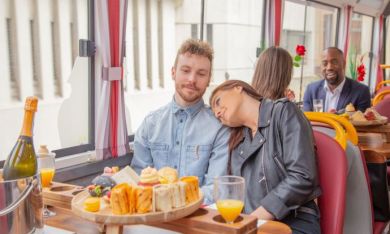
(373, 157)
(358, 216)
(383, 108)
(380, 96)
(332, 172)
(381, 86)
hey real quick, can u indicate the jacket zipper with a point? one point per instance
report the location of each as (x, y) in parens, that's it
(279, 164)
(262, 165)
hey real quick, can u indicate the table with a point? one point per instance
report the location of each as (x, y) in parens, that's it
(65, 219)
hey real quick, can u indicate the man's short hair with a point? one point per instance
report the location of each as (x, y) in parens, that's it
(337, 49)
(197, 47)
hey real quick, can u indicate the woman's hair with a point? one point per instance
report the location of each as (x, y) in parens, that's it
(273, 73)
(237, 133)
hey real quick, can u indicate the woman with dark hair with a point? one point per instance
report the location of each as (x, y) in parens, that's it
(271, 146)
(273, 74)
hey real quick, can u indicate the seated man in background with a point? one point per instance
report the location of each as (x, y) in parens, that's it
(335, 89)
(184, 134)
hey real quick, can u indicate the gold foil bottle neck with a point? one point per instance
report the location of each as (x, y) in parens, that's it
(31, 103)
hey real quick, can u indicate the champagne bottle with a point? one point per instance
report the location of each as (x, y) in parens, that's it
(22, 161)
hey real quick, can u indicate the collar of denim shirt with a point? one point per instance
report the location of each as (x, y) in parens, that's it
(190, 110)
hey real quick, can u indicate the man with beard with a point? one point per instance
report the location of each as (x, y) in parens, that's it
(184, 134)
(335, 89)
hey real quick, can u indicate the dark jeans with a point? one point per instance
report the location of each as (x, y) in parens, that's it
(302, 222)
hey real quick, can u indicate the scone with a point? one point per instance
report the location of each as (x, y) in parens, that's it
(167, 175)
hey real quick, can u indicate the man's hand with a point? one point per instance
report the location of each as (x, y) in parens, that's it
(333, 111)
(262, 213)
(290, 94)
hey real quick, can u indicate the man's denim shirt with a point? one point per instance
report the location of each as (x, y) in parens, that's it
(189, 139)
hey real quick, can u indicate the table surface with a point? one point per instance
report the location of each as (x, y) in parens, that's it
(65, 219)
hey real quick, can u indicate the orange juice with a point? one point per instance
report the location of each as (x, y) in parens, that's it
(47, 175)
(230, 209)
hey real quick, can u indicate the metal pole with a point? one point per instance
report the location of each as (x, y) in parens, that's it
(303, 59)
(201, 20)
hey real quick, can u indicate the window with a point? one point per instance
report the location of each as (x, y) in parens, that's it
(39, 52)
(386, 47)
(313, 25)
(227, 23)
(360, 45)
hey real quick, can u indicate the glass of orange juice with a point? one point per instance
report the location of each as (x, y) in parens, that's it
(46, 167)
(229, 194)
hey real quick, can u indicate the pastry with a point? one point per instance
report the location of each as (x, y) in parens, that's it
(148, 177)
(143, 198)
(350, 108)
(167, 175)
(92, 204)
(192, 188)
(358, 116)
(163, 197)
(121, 199)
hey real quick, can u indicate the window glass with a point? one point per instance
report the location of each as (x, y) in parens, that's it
(39, 48)
(155, 30)
(359, 45)
(314, 26)
(386, 44)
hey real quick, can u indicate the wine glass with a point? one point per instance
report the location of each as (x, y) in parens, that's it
(229, 194)
(46, 167)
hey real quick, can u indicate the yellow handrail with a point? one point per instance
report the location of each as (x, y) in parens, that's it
(379, 97)
(350, 130)
(380, 84)
(340, 137)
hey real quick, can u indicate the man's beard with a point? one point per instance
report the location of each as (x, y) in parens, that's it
(194, 96)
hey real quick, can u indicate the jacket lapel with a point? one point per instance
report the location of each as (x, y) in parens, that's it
(249, 147)
(345, 92)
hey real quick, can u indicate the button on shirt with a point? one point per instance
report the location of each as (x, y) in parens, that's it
(332, 98)
(189, 139)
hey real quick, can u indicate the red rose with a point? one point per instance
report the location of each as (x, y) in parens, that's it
(361, 72)
(300, 49)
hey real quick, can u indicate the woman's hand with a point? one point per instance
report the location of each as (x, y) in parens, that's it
(262, 213)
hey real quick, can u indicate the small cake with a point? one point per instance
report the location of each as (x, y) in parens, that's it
(92, 204)
(179, 194)
(192, 188)
(148, 177)
(167, 175)
(163, 197)
(143, 199)
(121, 199)
(358, 116)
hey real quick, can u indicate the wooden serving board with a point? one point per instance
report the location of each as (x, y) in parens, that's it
(376, 122)
(60, 195)
(105, 215)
